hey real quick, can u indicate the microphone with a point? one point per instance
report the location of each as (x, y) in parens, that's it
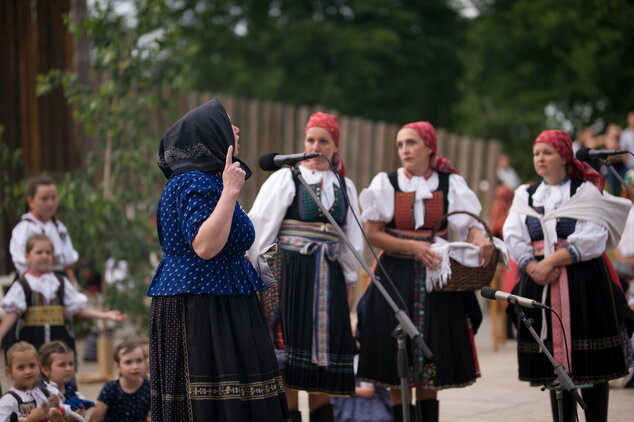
(494, 294)
(587, 154)
(273, 161)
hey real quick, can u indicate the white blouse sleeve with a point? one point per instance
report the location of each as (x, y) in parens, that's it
(17, 245)
(73, 300)
(461, 198)
(516, 234)
(8, 405)
(69, 255)
(377, 200)
(14, 300)
(269, 209)
(352, 230)
(589, 240)
(626, 246)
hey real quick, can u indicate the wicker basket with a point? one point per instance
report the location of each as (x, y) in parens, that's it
(469, 278)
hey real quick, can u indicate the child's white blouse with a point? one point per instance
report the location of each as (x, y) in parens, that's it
(46, 284)
(63, 250)
(9, 405)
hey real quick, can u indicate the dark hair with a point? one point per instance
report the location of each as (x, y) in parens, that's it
(38, 237)
(36, 182)
(125, 347)
(48, 349)
(33, 184)
(20, 347)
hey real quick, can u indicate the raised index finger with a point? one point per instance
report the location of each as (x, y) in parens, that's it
(229, 158)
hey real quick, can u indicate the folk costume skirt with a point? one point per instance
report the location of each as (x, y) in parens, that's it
(447, 321)
(297, 287)
(211, 359)
(599, 343)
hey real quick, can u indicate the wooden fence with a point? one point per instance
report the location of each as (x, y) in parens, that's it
(368, 147)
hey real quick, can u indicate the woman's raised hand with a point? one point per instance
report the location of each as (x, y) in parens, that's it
(232, 176)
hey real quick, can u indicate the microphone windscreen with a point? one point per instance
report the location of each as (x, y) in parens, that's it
(583, 154)
(266, 162)
(488, 292)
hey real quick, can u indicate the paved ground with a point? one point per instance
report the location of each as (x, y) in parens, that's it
(497, 396)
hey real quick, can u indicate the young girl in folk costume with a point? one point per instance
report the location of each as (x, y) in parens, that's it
(43, 302)
(400, 209)
(41, 200)
(317, 272)
(557, 231)
(126, 399)
(57, 362)
(26, 401)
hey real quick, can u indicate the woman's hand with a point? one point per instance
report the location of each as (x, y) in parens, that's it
(232, 176)
(423, 252)
(543, 272)
(476, 237)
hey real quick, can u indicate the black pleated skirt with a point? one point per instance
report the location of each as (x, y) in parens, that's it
(447, 330)
(211, 359)
(296, 316)
(597, 328)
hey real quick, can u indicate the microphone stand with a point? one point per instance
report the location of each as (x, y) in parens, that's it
(405, 325)
(562, 381)
(616, 174)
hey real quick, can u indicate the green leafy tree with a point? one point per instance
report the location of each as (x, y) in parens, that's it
(109, 206)
(392, 60)
(526, 57)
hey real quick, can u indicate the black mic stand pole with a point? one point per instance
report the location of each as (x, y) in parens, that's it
(611, 168)
(405, 324)
(563, 380)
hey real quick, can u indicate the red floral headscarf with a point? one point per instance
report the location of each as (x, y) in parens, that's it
(561, 141)
(427, 132)
(331, 125)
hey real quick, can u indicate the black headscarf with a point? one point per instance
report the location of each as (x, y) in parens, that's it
(198, 141)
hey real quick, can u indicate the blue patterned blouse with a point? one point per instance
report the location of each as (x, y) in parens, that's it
(187, 200)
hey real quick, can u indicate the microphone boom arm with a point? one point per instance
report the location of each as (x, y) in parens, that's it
(616, 174)
(401, 316)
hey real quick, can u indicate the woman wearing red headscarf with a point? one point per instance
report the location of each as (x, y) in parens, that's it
(311, 324)
(400, 208)
(557, 231)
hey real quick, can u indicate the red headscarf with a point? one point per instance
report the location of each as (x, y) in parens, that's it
(331, 125)
(561, 141)
(427, 132)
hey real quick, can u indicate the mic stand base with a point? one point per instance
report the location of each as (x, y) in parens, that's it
(562, 381)
(402, 365)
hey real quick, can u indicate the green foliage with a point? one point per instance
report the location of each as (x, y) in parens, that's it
(12, 206)
(574, 57)
(108, 207)
(387, 60)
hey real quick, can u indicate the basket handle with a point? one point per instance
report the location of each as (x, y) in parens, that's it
(444, 217)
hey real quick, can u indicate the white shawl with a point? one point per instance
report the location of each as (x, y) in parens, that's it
(589, 205)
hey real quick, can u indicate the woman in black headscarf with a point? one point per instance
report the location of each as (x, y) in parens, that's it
(210, 354)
